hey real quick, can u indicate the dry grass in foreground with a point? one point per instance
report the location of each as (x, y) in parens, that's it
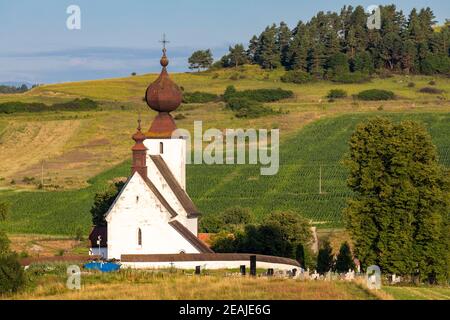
(137, 286)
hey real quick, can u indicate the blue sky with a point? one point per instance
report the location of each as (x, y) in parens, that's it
(119, 37)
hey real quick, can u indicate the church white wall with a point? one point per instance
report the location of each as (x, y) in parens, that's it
(192, 225)
(160, 183)
(138, 208)
(171, 155)
(211, 265)
(174, 154)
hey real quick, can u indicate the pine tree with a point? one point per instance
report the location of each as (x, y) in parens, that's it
(299, 48)
(358, 21)
(409, 56)
(344, 260)
(268, 53)
(237, 55)
(252, 51)
(201, 59)
(283, 41)
(363, 63)
(325, 258)
(337, 64)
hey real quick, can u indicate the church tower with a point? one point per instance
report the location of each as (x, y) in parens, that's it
(139, 153)
(164, 96)
(153, 214)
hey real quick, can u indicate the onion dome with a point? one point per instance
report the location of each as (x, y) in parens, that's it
(163, 95)
(162, 127)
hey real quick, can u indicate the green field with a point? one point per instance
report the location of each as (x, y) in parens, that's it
(321, 144)
(418, 293)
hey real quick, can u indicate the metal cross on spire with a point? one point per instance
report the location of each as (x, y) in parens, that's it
(164, 41)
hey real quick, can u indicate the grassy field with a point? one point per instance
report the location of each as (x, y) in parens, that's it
(418, 293)
(77, 154)
(138, 285)
(48, 281)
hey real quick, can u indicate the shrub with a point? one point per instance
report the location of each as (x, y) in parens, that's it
(24, 254)
(199, 97)
(230, 91)
(180, 116)
(246, 108)
(234, 76)
(210, 223)
(432, 83)
(336, 94)
(411, 85)
(431, 90)
(223, 242)
(74, 105)
(259, 95)
(28, 180)
(375, 94)
(237, 215)
(355, 77)
(12, 277)
(297, 76)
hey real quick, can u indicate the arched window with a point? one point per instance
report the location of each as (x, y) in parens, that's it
(139, 237)
(161, 148)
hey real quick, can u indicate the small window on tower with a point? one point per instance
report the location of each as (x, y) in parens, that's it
(137, 199)
(161, 148)
(139, 237)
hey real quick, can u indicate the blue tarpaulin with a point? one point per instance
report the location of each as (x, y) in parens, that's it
(102, 266)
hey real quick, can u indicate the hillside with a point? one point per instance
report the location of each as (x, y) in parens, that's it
(214, 188)
(77, 153)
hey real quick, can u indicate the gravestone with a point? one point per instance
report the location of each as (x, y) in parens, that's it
(243, 270)
(373, 276)
(350, 275)
(197, 270)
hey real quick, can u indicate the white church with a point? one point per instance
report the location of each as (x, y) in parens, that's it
(153, 223)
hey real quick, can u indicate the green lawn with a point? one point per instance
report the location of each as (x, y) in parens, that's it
(213, 188)
(418, 293)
